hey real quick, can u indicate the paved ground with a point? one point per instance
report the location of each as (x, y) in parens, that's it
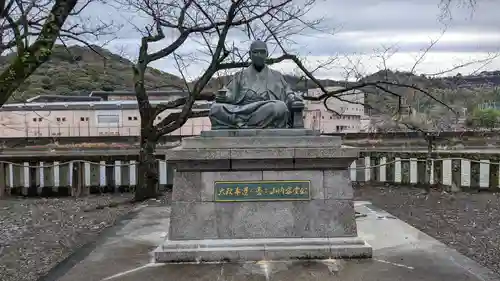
(400, 253)
(466, 221)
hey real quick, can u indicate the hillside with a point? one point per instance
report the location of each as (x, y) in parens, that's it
(457, 92)
(78, 71)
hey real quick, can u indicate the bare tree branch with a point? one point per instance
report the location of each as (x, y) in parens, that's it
(42, 23)
(207, 23)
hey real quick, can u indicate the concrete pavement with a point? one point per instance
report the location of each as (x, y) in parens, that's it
(400, 253)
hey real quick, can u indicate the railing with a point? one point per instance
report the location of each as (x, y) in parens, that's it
(72, 178)
(478, 171)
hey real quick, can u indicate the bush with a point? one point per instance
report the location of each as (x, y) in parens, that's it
(486, 118)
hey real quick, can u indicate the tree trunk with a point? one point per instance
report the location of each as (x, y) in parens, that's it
(147, 181)
(28, 60)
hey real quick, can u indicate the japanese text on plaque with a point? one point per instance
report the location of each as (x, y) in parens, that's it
(262, 190)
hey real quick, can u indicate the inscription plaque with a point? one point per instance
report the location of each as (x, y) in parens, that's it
(233, 191)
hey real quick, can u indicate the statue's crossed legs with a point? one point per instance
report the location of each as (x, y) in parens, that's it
(258, 115)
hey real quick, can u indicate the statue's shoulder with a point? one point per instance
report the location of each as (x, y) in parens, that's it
(276, 74)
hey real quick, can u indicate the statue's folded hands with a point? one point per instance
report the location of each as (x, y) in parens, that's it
(257, 97)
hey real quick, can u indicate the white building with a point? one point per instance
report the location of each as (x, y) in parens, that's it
(350, 106)
(116, 113)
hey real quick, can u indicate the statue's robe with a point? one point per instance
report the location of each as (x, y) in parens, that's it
(254, 100)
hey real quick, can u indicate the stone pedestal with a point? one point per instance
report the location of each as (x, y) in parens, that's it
(202, 228)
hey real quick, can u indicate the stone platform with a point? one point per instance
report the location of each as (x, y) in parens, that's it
(400, 252)
(204, 227)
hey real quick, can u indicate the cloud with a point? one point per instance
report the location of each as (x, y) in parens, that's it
(366, 64)
(372, 42)
(406, 15)
(364, 28)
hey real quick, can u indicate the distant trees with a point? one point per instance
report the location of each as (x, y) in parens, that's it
(484, 118)
(30, 30)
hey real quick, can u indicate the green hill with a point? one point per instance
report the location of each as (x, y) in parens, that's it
(79, 70)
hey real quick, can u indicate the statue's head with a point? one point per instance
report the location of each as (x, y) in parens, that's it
(258, 53)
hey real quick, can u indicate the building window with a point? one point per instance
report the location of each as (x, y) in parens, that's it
(135, 117)
(39, 119)
(34, 119)
(64, 119)
(82, 119)
(115, 119)
(58, 119)
(130, 118)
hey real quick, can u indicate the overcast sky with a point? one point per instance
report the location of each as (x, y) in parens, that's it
(365, 27)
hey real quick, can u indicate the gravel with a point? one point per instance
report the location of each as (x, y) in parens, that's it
(467, 222)
(36, 234)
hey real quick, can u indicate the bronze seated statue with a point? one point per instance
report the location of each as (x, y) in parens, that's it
(257, 98)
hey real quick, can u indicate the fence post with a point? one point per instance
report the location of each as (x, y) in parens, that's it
(3, 181)
(81, 175)
(78, 182)
(405, 169)
(360, 170)
(32, 187)
(390, 168)
(493, 178)
(475, 171)
(375, 168)
(438, 171)
(456, 173)
(421, 171)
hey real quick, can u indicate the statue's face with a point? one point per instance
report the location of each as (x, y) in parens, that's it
(258, 56)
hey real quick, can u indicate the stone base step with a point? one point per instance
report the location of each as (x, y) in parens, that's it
(260, 132)
(238, 250)
(260, 141)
